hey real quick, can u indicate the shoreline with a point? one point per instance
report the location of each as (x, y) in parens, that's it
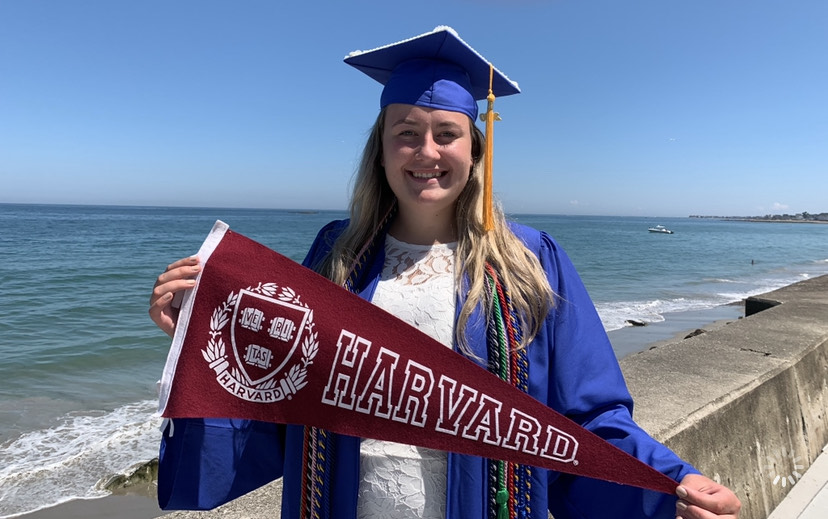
(674, 328)
(761, 220)
(757, 220)
(141, 503)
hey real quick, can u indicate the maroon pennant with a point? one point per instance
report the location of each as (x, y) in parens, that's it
(264, 338)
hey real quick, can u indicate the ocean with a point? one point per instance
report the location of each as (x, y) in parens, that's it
(80, 358)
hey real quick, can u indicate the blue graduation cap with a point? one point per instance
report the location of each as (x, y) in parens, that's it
(436, 70)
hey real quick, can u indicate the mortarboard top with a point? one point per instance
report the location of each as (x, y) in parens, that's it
(436, 69)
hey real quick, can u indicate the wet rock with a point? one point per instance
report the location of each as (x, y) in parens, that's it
(697, 331)
(139, 478)
(635, 322)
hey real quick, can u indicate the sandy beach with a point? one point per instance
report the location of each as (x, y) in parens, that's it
(259, 504)
(120, 506)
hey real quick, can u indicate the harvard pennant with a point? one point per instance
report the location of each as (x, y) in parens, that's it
(263, 338)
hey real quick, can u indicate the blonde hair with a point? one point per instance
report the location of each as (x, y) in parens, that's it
(518, 268)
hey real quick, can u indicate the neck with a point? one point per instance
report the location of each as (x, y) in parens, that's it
(424, 230)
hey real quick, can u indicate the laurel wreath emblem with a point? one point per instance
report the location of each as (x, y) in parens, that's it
(215, 352)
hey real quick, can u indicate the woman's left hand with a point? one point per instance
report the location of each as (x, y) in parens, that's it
(702, 498)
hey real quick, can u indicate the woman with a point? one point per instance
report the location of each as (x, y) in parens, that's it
(424, 243)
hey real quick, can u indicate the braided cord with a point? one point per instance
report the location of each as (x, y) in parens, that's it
(304, 509)
(509, 483)
(519, 475)
(310, 502)
(493, 466)
(324, 457)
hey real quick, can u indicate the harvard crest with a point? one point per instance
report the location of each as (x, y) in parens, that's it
(267, 325)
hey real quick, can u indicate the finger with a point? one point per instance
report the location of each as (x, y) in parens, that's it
(163, 295)
(178, 271)
(183, 262)
(685, 510)
(161, 310)
(178, 268)
(711, 500)
(172, 286)
(162, 314)
(178, 276)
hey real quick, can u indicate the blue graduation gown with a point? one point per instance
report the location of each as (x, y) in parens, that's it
(573, 369)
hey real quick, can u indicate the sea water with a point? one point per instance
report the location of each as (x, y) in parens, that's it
(80, 358)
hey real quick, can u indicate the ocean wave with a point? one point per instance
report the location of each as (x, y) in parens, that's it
(744, 294)
(702, 294)
(67, 461)
(615, 315)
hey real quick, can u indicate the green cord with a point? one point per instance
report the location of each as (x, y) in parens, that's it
(502, 495)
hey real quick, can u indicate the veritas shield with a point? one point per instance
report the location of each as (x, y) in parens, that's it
(265, 332)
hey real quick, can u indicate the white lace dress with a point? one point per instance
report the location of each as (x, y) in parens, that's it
(397, 480)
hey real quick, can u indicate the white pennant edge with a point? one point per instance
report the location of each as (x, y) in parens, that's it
(207, 248)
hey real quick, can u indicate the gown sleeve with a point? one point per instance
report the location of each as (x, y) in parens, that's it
(204, 463)
(586, 384)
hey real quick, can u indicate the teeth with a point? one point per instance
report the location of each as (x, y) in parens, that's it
(430, 174)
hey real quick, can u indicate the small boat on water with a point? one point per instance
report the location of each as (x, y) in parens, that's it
(661, 229)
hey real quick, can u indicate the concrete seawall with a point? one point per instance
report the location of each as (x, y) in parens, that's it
(746, 403)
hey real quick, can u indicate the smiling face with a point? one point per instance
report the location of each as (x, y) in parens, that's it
(427, 156)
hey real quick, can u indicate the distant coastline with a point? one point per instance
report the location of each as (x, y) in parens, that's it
(804, 217)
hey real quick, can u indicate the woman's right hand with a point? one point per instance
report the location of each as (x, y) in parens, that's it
(178, 276)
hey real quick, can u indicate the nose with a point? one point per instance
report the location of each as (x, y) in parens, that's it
(428, 148)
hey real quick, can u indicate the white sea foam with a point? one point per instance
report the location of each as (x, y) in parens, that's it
(66, 461)
(616, 314)
(709, 293)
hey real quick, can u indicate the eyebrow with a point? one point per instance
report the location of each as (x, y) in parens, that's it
(413, 122)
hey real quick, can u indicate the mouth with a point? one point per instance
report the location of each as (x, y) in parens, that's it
(427, 175)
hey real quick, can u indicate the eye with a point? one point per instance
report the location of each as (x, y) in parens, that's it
(447, 136)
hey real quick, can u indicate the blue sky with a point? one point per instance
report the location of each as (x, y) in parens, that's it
(637, 108)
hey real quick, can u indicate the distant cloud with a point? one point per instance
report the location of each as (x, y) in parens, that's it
(779, 207)
(573, 202)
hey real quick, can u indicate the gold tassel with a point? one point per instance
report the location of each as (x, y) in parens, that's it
(490, 117)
